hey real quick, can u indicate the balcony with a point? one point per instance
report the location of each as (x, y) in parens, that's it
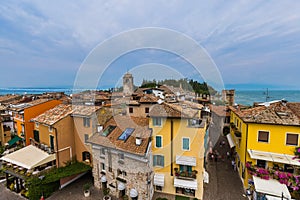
(186, 175)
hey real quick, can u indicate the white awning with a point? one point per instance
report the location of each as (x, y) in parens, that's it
(133, 193)
(205, 177)
(159, 179)
(273, 157)
(186, 160)
(103, 179)
(189, 184)
(271, 187)
(230, 140)
(121, 186)
(29, 157)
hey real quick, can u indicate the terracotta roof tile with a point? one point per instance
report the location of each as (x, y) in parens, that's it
(275, 113)
(55, 114)
(173, 110)
(121, 122)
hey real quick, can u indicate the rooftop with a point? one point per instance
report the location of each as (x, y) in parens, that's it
(61, 111)
(137, 124)
(274, 113)
(177, 110)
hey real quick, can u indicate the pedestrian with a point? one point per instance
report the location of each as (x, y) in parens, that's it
(220, 144)
(216, 157)
(228, 155)
(232, 163)
(223, 142)
(234, 166)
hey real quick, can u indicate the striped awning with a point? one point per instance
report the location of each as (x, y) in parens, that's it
(159, 179)
(186, 160)
(188, 184)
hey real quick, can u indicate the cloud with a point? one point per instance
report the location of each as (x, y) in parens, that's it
(240, 36)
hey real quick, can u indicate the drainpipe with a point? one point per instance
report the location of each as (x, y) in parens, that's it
(171, 147)
(246, 148)
(57, 152)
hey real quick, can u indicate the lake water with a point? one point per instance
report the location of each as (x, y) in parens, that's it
(245, 97)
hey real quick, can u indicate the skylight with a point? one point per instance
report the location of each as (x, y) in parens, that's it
(125, 135)
(108, 130)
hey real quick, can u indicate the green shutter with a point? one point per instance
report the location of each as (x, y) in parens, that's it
(158, 141)
(185, 144)
(154, 160)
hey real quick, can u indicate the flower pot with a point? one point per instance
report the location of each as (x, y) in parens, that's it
(87, 193)
(106, 197)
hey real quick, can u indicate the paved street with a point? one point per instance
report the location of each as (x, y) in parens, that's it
(224, 182)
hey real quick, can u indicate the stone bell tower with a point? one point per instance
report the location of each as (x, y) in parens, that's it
(128, 84)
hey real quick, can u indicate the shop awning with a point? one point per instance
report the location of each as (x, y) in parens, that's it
(14, 140)
(205, 177)
(103, 179)
(271, 187)
(121, 186)
(186, 160)
(133, 193)
(29, 157)
(189, 184)
(273, 157)
(230, 141)
(159, 179)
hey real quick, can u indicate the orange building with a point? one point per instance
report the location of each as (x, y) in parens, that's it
(24, 112)
(64, 130)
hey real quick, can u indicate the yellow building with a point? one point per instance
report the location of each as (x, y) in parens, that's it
(265, 137)
(178, 148)
(24, 112)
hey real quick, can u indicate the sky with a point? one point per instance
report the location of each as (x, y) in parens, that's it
(253, 44)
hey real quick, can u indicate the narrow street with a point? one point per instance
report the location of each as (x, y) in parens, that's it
(224, 182)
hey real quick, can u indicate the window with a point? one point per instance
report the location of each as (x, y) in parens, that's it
(102, 152)
(263, 136)
(125, 135)
(108, 130)
(156, 121)
(86, 137)
(86, 122)
(130, 110)
(121, 156)
(36, 135)
(186, 144)
(146, 110)
(292, 139)
(51, 142)
(102, 166)
(261, 163)
(50, 129)
(184, 168)
(158, 160)
(158, 141)
(158, 188)
(194, 122)
(86, 156)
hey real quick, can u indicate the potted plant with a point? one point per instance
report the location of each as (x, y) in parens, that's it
(106, 194)
(86, 189)
(125, 197)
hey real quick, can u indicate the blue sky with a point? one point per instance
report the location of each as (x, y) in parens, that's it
(254, 44)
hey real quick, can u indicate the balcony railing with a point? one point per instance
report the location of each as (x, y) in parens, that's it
(187, 175)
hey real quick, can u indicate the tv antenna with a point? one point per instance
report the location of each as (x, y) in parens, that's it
(267, 95)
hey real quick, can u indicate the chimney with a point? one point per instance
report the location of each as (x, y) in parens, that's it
(138, 140)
